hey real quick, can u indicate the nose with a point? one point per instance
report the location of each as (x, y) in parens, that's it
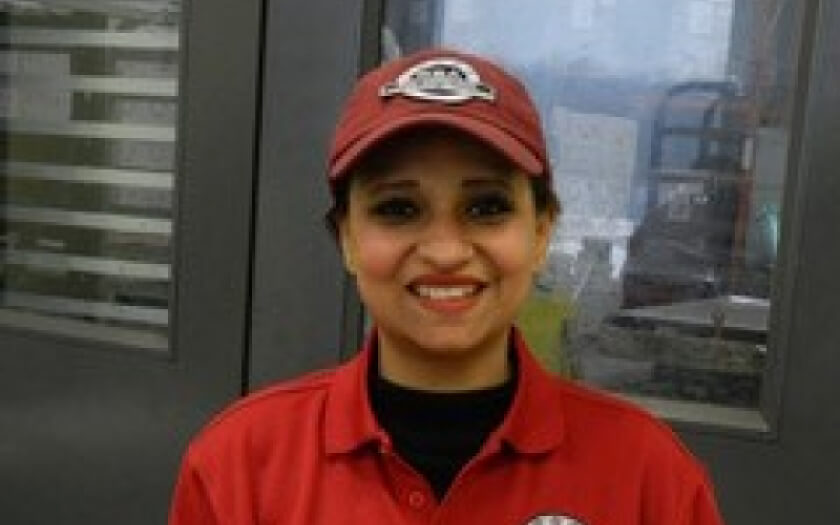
(445, 245)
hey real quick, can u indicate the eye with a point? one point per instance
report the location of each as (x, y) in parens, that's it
(395, 209)
(489, 207)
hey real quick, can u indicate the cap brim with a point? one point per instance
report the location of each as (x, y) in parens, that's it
(491, 135)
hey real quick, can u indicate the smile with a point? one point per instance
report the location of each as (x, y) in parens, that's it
(445, 292)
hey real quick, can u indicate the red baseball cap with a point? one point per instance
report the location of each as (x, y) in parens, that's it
(446, 88)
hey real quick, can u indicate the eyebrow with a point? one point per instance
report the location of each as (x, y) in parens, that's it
(503, 182)
(378, 186)
(386, 184)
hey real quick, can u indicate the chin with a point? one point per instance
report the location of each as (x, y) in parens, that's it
(452, 341)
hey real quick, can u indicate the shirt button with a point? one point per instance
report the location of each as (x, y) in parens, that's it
(416, 499)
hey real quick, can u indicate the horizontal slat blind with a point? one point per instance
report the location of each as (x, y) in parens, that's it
(88, 119)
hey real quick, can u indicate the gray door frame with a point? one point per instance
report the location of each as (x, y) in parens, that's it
(93, 432)
(789, 474)
(303, 312)
(306, 313)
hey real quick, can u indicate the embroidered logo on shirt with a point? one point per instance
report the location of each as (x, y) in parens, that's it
(554, 520)
(449, 81)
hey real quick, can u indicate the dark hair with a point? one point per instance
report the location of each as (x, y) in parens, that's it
(382, 157)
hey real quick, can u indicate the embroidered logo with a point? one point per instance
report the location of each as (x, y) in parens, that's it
(554, 520)
(445, 80)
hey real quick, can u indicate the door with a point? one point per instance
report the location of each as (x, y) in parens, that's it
(304, 314)
(693, 143)
(127, 160)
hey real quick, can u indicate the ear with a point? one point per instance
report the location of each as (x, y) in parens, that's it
(348, 247)
(544, 229)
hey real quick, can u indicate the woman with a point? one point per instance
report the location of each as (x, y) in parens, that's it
(443, 210)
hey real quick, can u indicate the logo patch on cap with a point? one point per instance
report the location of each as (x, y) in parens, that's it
(446, 80)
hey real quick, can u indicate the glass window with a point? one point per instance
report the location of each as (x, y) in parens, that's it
(88, 105)
(668, 124)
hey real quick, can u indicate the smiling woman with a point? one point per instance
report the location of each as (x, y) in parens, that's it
(443, 210)
(443, 242)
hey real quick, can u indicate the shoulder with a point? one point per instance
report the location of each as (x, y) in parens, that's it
(265, 418)
(612, 436)
(628, 441)
(599, 406)
(270, 399)
(607, 419)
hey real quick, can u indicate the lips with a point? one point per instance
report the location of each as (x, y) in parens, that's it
(446, 293)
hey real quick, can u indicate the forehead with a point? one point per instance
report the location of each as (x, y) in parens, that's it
(423, 145)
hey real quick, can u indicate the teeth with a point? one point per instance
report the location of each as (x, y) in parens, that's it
(444, 292)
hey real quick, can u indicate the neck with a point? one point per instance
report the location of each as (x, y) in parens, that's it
(444, 370)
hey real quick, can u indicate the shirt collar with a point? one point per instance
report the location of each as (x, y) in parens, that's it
(349, 422)
(529, 427)
(534, 424)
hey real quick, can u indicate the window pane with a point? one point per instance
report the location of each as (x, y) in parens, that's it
(668, 125)
(88, 102)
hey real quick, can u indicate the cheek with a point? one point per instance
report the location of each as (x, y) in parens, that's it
(378, 255)
(513, 252)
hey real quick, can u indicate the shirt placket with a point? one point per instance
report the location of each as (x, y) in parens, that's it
(414, 494)
(455, 495)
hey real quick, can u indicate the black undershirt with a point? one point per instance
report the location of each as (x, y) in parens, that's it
(437, 433)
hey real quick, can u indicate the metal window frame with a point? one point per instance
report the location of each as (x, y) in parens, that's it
(764, 424)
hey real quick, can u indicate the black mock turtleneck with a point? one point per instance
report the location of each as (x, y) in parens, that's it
(437, 433)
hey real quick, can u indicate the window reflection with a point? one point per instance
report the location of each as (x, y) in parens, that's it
(667, 123)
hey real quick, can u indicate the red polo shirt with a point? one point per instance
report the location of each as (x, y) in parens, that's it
(311, 452)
